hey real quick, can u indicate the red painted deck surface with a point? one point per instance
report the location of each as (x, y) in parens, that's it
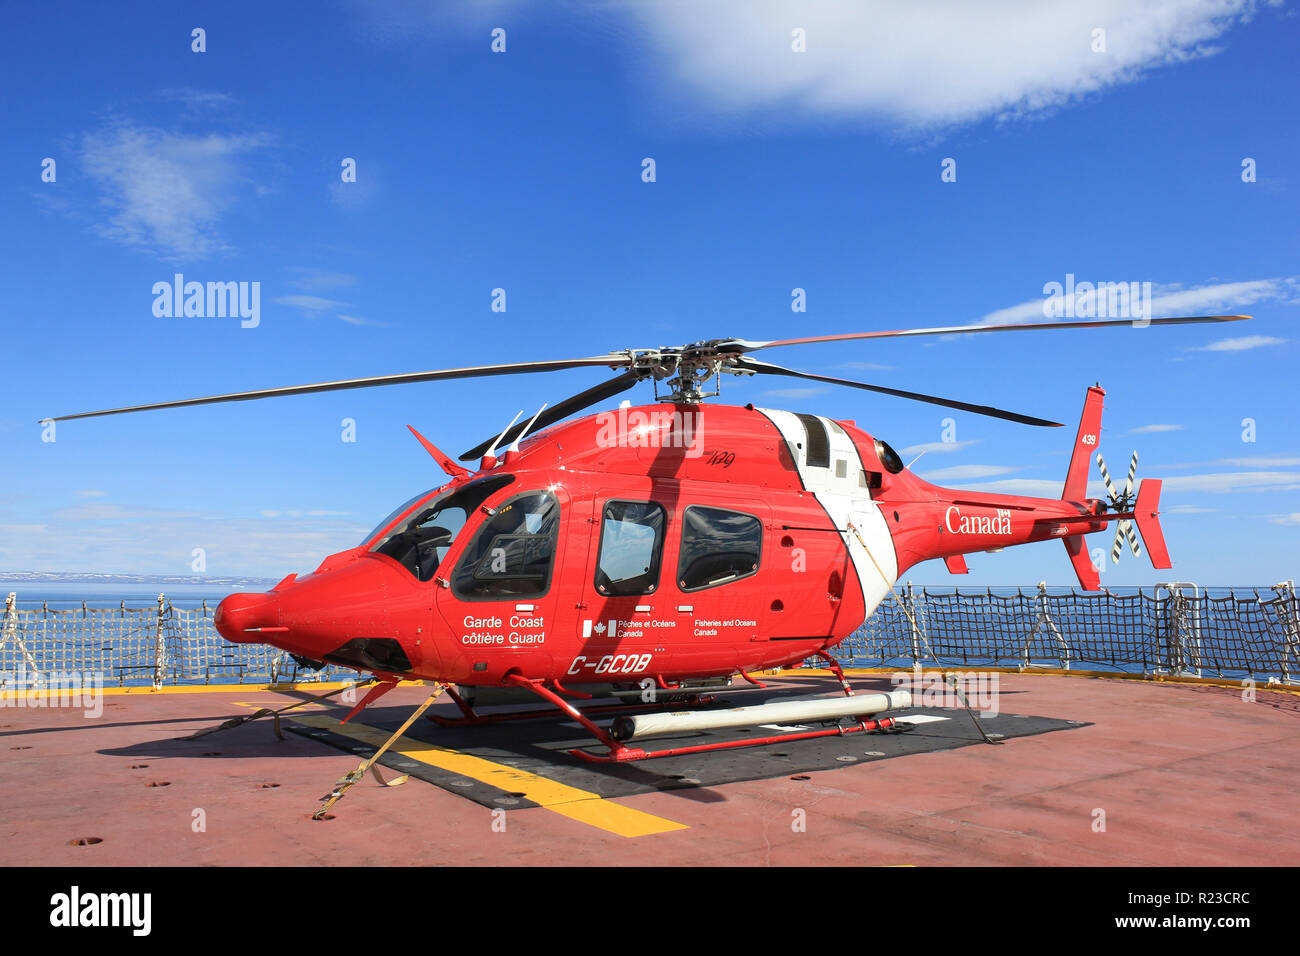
(1185, 775)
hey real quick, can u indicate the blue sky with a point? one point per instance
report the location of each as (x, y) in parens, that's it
(522, 170)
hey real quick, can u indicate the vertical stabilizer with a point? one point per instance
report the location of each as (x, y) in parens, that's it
(1089, 577)
(1085, 445)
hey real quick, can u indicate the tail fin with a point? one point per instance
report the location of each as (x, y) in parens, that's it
(1146, 512)
(1085, 444)
(1089, 575)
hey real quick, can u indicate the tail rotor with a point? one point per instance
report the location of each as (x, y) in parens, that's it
(1121, 503)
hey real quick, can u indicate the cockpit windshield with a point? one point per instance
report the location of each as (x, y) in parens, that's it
(420, 543)
(399, 510)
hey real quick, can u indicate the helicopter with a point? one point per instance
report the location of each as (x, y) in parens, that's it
(670, 546)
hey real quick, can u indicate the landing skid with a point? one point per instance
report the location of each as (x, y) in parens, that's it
(619, 752)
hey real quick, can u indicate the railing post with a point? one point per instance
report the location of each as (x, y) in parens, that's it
(1287, 617)
(11, 621)
(160, 646)
(910, 610)
(10, 632)
(10, 636)
(1185, 627)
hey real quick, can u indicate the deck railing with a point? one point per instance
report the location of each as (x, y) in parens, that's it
(1176, 629)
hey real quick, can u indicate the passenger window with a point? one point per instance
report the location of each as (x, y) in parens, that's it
(513, 552)
(631, 546)
(718, 547)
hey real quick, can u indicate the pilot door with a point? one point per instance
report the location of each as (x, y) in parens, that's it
(499, 599)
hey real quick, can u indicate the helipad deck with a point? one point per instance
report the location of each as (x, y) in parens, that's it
(1151, 774)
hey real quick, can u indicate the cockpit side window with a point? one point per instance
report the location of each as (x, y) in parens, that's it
(512, 554)
(420, 543)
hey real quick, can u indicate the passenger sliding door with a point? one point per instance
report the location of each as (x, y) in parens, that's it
(718, 580)
(624, 618)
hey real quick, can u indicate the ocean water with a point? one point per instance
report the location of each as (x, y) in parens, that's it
(60, 596)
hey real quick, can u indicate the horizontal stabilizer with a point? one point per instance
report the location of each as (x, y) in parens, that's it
(1146, 512)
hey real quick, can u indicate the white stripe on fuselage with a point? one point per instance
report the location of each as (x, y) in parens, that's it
(846, 501)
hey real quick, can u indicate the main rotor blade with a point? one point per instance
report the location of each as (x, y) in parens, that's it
(745, 346)
(766, 368)
(476, 371)
(562, 410)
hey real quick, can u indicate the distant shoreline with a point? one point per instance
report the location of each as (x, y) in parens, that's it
(187, 581)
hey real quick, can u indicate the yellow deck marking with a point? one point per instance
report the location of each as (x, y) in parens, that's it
(588, 808)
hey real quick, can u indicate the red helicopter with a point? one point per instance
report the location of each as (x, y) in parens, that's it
(669, 546)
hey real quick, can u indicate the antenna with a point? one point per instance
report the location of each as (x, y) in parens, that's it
(514, 445)
(916, 459)
(491, 451)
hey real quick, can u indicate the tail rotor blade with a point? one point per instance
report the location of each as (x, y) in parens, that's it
(1132, 470)
(1129, 533)
(1105, 476)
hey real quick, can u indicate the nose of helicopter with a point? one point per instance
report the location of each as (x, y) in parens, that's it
(248, 618)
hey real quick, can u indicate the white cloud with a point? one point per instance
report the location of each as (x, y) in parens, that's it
(865, 366)
(796, 392)
(356, 320)
(166, 191)
(1266, 461)
(937, 447)
(1291, 519)
(90, 511)
(311, 279)
(90, 493)
(1029, 487)
(1147, 429)
(909, 65)
(196, 101)
(923, 64)
(1228, 483)
(308, 303)
(1166, 300)
(1239, 344)
(1218, 483)
(966, 472)
(20, 529)
(143, 539)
